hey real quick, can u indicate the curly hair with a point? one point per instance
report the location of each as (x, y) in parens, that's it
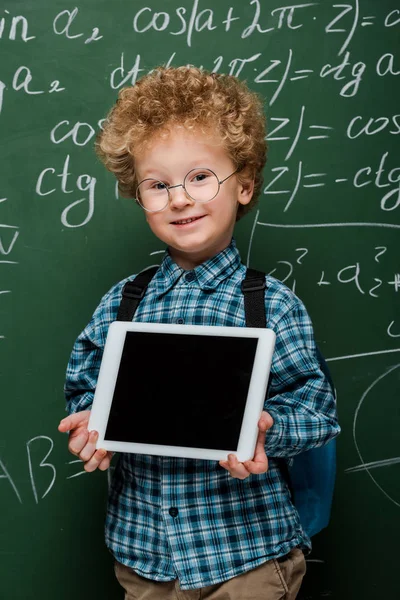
(190, 97)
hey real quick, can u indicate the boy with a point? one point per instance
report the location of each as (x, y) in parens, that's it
(190, 147)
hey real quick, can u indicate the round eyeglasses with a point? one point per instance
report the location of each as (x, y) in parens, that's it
(200, 184)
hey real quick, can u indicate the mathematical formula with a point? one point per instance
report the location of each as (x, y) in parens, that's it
(356, 274)
(381, 178)
(188, 21)
(345, 21)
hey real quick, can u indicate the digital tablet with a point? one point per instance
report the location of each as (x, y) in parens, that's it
(182, 390)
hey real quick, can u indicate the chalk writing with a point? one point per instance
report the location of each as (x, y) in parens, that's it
(16, 27)
(393, 18)
(22, 80)
(354, 73)
(357, 273)
(41, 467)
(385, 65)
(383, 463)
(388, 202)
(391, 330)
(5, 248)
(288, 74)
(361, 126)
(322, 131)
(80, 133)
(8, 238)
(4, 474)
(63, 22)
(83, 183)
(285, 16)
(344, 21)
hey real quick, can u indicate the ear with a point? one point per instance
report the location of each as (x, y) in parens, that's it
(245, 191)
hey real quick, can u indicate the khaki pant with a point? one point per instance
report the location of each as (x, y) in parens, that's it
(273, 580)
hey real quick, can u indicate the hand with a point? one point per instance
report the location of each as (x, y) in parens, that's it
(82, 443)
(259, 463)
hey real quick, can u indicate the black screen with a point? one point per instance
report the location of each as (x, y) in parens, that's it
(181, 390)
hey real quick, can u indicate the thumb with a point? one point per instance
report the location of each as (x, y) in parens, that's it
(73, 421)
(266, 421)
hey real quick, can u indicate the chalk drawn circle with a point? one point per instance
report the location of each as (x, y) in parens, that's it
(356, 415)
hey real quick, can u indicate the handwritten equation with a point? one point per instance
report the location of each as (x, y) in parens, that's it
(293, 132)
(376, 175)
(357, 274)
(343, 22)
(280, 72)
(188, 21)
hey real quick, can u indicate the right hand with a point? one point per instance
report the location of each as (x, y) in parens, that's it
(82, 443)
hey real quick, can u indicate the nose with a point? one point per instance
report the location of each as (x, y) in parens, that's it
(179, 197)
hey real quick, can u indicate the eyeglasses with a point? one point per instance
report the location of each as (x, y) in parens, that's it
(200, 184)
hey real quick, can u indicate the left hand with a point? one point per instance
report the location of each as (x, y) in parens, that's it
(259, 463)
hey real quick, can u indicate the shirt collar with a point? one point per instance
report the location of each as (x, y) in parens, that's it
(208, 275)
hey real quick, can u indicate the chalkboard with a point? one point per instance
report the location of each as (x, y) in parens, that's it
(327, 224)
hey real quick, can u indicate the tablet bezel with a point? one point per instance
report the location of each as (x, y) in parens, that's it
(255, 398)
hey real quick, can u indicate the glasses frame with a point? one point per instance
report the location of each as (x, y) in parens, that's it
(171, 187)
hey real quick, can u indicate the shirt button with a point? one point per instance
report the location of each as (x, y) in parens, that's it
(190, 276)
(180, 321)
(173, 511)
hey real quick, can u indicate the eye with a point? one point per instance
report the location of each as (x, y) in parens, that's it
(158, 185)
(200, 176)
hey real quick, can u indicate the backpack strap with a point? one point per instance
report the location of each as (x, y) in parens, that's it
(253, 288)
(324, 368)
(132, 293)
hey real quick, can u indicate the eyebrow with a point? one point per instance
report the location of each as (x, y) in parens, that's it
(149, 173)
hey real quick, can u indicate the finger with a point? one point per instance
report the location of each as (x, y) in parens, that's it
(89, 449)
(227, 464)
(236, 468)
(257, 467)
(93, 463)
(78, 440)
(73, 421)
(259, 450)
(105, 463)
(259, 463)
(265, 422)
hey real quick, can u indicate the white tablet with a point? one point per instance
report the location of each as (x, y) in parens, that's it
(182, 390)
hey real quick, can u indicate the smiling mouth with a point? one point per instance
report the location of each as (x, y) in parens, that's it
(186, 221)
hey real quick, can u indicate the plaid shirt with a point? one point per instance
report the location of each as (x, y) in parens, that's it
(176, 517)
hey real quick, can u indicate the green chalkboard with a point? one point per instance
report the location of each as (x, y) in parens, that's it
(328, 224)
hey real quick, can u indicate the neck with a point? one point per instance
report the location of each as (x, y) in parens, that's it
(189, 261)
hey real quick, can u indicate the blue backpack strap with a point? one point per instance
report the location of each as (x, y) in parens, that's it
(310, 475)
(132, 293)
(253, 288)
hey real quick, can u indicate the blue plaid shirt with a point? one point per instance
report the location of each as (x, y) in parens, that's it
(171, 518)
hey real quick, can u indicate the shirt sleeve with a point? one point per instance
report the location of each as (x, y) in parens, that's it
(84, 363)
(299, 398)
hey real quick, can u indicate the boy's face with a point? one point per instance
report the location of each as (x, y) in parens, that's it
(168, 159)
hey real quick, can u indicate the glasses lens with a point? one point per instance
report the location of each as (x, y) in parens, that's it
(201, 184)
(152, 195)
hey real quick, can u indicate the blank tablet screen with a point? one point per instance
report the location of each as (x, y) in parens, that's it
(181, 390)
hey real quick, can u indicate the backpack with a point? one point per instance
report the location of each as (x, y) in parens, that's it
(310, 475)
